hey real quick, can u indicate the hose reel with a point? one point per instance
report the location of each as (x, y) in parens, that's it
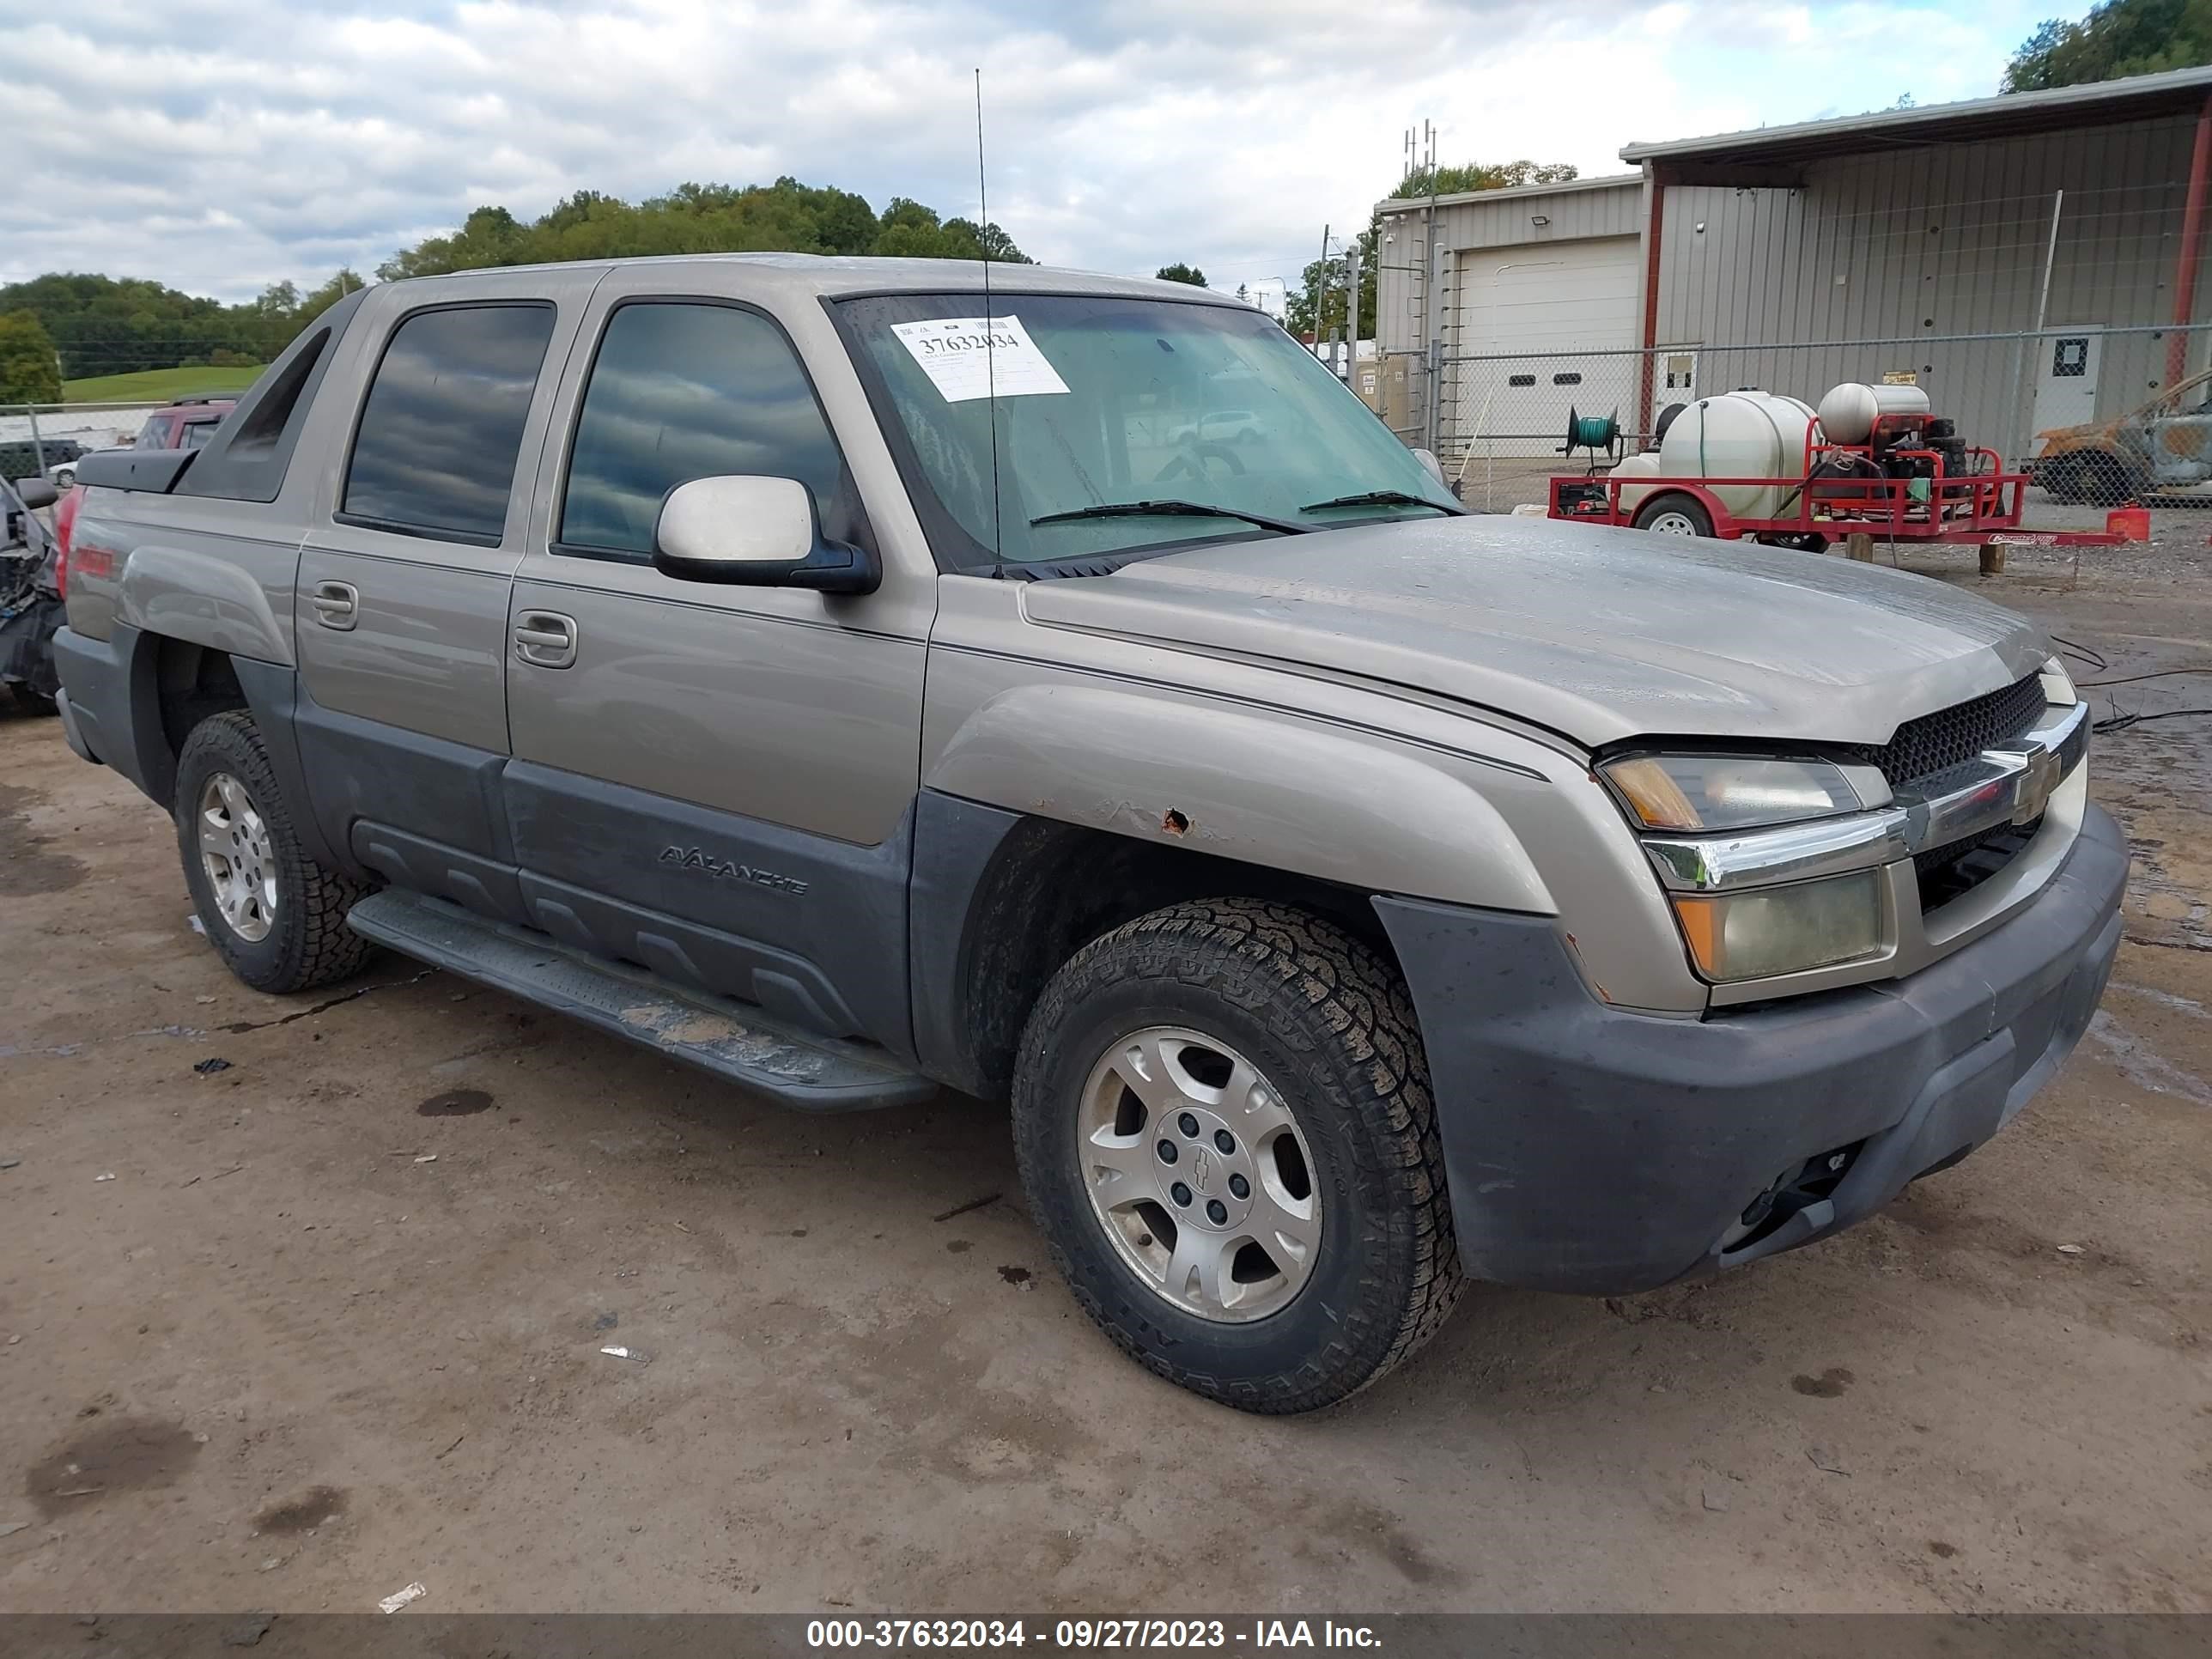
(1601, 435)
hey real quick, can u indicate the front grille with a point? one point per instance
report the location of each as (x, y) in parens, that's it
(1950, 737)
(1952, 871)
(1935, 743)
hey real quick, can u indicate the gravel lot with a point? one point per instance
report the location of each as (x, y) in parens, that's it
(293, 1331)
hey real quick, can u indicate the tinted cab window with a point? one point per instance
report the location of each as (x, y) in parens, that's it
(682, 390)
(441, 429)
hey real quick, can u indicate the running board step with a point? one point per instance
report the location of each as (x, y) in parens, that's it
(733, 1040)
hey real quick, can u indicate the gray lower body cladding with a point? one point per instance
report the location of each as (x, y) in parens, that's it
(1596, 1151)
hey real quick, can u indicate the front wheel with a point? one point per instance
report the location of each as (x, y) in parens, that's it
(275, 917)
(1675, 514)
(1223, 1120)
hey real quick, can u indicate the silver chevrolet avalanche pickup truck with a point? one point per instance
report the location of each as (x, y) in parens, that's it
(852, 682)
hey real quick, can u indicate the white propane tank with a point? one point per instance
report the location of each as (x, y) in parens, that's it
(1849, 411)
(1645, 464)
(1740, 434)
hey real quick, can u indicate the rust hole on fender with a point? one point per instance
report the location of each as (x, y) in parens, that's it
(1174, 823)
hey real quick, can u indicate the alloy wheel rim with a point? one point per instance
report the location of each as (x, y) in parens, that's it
(238, 857)
(1196, 1168)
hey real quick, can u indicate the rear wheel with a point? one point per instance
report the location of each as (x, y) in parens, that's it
(2091, 478)
(2062, 477)
(1223, 1119)
(31, 700)
(275, 917)
(2108, 481)
(1675, 514)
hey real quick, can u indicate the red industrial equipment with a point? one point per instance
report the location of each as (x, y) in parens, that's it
(1911, 480)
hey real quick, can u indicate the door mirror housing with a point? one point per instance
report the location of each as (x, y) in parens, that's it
(1434, 467)
(749, 531)
(37, 492)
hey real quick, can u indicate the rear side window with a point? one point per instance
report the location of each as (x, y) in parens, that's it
(250, 450)
(683, 390)
(442, 425)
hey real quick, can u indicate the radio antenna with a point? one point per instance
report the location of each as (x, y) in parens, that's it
(990, 324)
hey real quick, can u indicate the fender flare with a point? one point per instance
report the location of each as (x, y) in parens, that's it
(1280, 791)
(182, 594)
(122, 674)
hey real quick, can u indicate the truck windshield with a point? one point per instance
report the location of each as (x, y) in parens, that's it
(1210, 418)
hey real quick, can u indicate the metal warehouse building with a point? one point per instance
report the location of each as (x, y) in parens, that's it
(2033, 260)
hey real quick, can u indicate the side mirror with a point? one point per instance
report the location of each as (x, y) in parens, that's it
(37, 492)
(749, 531)
(1427, 458)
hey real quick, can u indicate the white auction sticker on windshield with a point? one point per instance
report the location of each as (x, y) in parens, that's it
(966, 358)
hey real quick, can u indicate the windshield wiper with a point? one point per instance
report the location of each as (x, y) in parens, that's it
(1382, 498)
(1171, 510)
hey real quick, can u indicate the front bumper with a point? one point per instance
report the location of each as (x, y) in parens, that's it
(1593, 1150)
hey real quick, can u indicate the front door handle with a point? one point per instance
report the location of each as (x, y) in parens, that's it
(338, 604)
(545, 639)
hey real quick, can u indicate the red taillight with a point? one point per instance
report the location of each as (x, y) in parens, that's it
(64, 531)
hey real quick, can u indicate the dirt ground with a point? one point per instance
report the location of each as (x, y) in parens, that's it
(293, 1330)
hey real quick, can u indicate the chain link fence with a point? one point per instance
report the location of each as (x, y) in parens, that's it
(2098, 418)
(45, 439)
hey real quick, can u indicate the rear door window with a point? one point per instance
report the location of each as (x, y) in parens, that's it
(684, 390)
(441, 429)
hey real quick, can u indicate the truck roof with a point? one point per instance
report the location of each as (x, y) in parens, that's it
(840, 276)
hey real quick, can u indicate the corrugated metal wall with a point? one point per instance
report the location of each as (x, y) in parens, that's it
(1495, 219)
(1944, 240)
(1911, 246)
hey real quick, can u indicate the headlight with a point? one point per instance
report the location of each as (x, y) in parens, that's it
(2057, 684)
(1728, 792)
(1765, 931)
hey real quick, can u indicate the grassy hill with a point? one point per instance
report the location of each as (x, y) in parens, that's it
(159, 385)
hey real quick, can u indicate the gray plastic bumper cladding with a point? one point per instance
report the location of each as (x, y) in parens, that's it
(1593, 1150)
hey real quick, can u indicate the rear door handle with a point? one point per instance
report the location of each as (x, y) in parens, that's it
(338, 604)
(545, 639)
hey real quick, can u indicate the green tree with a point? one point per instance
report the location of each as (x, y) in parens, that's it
(110, 325)
(2120, 38)
(911, 231)
(27, 370)
(1484, 175)
(1180, 272)
(313, 303)
(1317, 307)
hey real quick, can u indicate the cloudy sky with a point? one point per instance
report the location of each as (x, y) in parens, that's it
(220, 145)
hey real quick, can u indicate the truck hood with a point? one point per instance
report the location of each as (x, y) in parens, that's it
(1596, 634)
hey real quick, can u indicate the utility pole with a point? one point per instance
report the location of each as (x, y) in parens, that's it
(1319, 287)
(1432, 307)
(1352, 311)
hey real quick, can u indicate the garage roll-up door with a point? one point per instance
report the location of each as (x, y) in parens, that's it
(1517, 305)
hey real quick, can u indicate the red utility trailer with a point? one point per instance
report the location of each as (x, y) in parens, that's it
(1858, 493)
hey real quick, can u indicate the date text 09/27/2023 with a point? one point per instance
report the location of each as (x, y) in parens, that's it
(1128, 1634)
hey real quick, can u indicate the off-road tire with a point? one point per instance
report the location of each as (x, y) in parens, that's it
(1332, 1030)
(309, 944)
